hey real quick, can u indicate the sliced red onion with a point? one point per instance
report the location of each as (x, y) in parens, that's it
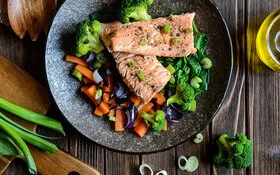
(171, 114)
(97, 77)
(131, 114)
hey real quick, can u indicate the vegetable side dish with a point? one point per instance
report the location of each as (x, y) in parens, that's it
(138, 71)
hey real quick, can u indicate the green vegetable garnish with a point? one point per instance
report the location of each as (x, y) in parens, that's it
(131, 64)
(174, 41)
(198, 138)
(101, 58)
(195, 82)
(189, 30)
(206, 63)
(192, 107)
(233, 152)
(170, 68)
(141, 76)
(97, 64)
(192, 164)
(112, 118)
(98, 94)
(156, 119)
(8, 146)
(172, 80)
(143, 42)
(31, 116)
(77, 74)
(166, 28)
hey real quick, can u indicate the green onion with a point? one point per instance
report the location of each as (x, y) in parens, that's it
(21, 144)
(189, 30)
(192, 164)
(174, 41)
(141, 76)
(131, 64)
(172, 80)
(143, 42)
(193, 106)
(77, 74)
(112, 118)
(98, 94)
(170, 68)
(97, 64)
(31, 116)
(8, 146)
(23, 128)
(166, 28)
(206, 63)
(198, 138)
(101, 58)
(195, 82)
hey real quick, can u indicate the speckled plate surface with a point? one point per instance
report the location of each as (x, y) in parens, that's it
(77, 108)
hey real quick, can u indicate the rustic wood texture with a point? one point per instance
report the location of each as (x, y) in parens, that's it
(251, 106)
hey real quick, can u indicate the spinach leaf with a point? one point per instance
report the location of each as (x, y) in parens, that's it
(8, 146)
(205, 76)
(200, 42)
(195, 67)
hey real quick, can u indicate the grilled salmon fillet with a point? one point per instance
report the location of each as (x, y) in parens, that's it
(145, 77)
(130, 66)
(153, 38)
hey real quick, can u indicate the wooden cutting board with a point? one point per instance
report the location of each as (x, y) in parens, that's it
(20, 88)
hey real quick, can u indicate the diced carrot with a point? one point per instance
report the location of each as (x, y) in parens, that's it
(85, 72)
(145, 108)
(110, 86)
(112, 112)
(151, 111)
(160, 98)
(125, 104)
(136, 100)
(84, 88)
(97, 112)
(109, 100)
(86, 80)
(120, 120)
(165, 125)
(141, 128)
(104, 107)
(90, 92)
(73, 59)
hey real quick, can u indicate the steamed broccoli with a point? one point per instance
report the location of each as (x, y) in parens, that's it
(183, 97)
(87, 38)
(157, 119)
(233, 152)
(134, 9)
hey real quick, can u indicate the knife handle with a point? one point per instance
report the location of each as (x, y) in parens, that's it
(60, 163)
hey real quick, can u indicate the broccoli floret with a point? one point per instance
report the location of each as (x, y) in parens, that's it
(87, 38)
(156, 119)
(183, 97)
(134, 9)
(233, 152)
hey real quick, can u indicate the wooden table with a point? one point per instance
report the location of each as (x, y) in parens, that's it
(251, 106)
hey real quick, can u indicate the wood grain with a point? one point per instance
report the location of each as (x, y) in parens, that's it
(263, 97)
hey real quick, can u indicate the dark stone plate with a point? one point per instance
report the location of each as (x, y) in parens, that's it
(77, 108)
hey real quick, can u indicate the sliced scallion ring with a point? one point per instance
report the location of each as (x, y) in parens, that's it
(184, 160)
(198, 138)
(192, 164)
(98, 94)
(101, 58)
(145, 166)
(162, 172)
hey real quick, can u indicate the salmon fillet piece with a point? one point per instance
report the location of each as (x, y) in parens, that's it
(148, 37)
(156, 76)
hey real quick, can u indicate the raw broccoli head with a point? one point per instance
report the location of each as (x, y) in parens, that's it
(134, 9)
(233, 152)
(156, 119)
(87, 38)
(183, 97)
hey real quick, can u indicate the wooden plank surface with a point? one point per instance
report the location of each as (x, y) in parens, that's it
(252, 105)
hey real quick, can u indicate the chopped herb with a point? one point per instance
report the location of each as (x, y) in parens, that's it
(170, 68)
(189, 30)
(174, 41)
(141, 76)
(112, 118)
(77, 74)
(98, 94)
(143, 42)
(131, 64)
(166, 28)
(172, 80)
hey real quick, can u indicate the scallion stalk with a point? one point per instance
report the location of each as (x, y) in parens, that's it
(21, 144)
(31, 116)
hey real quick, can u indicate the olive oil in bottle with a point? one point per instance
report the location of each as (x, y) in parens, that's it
(268, 41)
